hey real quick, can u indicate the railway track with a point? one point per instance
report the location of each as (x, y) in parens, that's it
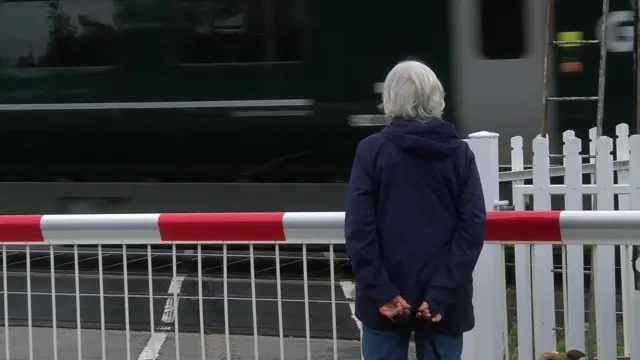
(238, 261)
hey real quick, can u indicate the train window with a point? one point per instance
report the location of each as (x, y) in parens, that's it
(58, 33)
(502, 28)
(288, 24)
(239, 31)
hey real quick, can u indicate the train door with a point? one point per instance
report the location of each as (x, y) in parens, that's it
(498, 58)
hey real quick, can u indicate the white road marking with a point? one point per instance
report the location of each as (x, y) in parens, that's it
(348, 288)
(152, 349)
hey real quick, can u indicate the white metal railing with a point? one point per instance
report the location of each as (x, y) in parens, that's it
(175, 301)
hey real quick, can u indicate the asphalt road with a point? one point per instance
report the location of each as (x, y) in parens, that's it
(162, 343)
(189, 346)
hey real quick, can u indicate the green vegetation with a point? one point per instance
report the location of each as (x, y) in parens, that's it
(560, 343)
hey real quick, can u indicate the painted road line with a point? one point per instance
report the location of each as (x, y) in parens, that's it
(152, 349)
(348, 288)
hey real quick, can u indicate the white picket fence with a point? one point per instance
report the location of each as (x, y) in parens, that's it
(534, 264)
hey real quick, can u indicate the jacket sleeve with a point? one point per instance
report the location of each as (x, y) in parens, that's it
(362, 241)
(467, 243)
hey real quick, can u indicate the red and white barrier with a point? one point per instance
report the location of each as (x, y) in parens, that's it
(561, 227)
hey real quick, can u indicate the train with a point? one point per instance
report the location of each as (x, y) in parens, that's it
(261, 102)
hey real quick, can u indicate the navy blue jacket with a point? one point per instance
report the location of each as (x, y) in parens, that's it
(415, 222)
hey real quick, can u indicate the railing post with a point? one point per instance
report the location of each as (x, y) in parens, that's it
(489, 287)
(635, 305)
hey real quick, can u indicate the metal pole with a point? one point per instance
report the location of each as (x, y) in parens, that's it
(603, 66)
(636, 272)
(636, 75)
(547, 64)
(593, 339)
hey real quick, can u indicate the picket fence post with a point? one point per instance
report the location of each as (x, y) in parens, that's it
(573, 255)
(489, 298)
(634, 199)
(626, 251)
(522, 257)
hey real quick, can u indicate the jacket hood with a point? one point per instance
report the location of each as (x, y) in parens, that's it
(430, 138)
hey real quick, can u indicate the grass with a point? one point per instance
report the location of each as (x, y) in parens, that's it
(560, 343)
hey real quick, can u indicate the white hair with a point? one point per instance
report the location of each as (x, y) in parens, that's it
(412, 91)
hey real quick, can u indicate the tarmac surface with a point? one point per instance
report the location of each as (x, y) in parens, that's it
(241, 346)
(161, 343)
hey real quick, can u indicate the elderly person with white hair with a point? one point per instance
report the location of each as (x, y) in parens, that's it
(415, 223)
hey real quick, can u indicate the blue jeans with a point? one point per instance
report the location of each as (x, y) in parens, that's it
(394, 345)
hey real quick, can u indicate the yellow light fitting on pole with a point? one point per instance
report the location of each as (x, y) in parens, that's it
(570, 36)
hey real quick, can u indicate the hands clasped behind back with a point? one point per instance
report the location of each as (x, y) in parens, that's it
(398, 306)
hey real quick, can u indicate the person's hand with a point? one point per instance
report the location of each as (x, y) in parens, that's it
(424, 313)
(397, 306)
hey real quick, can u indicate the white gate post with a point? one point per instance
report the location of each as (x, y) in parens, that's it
(489, 298)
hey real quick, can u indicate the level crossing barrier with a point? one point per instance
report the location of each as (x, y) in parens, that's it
(167, 286)
(511, 227)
